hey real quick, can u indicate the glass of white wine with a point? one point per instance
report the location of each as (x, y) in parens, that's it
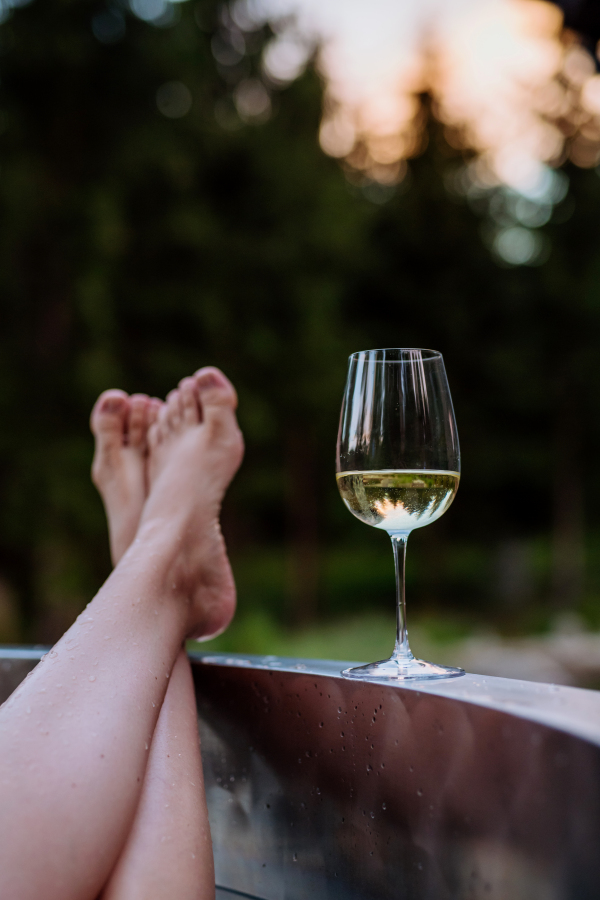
(398, 468)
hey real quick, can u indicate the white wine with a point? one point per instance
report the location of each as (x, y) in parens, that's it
(398, 500)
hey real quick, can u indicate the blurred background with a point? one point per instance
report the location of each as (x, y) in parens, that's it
(268, 186)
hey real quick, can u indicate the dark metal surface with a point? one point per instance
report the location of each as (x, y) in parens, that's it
(15, 664)
(324, 788)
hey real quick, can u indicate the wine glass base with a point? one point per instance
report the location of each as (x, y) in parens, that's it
(398, 670)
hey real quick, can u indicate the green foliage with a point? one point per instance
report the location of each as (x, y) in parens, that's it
(135, 248)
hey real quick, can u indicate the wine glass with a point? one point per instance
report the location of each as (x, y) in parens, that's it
(398, 468)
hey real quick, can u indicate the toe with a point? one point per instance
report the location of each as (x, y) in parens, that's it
(174, 417)
(162, 421)
(214, 388)
(154, 436)
(189, 401)
(218, 401)
(108, 423)
(109, 413)
(137, 423)
(154, 407)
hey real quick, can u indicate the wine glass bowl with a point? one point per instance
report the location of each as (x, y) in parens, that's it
(398, 467)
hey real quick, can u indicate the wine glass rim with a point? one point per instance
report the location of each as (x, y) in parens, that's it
(426, 355)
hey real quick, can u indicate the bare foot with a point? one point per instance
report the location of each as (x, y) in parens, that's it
(195, 449)
(120, 424)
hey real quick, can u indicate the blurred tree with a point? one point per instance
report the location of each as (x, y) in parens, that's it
(148, 228)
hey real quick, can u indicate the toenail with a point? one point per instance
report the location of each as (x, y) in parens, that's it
(112, 405)
(209, 381)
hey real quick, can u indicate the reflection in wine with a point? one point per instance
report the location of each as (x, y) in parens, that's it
(398, 500)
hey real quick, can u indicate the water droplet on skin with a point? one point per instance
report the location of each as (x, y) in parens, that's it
(372, 815)
(383, 806)
(155, 612)
(153, 705)
(419, 793)
(107, 637)
(53, 654)
(146, 746)
(28, 710)
(295, 857)
(92, 678)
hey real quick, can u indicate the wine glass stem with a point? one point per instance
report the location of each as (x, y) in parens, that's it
(401, 650)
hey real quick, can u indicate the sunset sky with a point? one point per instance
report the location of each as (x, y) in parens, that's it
(523, 92)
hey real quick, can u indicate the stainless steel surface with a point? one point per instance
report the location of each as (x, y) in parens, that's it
(15, 663)
(324, 788)
(476, 788)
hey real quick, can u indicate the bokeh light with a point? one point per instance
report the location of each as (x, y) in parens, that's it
(252, 100)
(173, 99)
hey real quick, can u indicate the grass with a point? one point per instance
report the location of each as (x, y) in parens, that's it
(362, 637)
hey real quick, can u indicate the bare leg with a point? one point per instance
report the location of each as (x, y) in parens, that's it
(169, 851)
(75, 736)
